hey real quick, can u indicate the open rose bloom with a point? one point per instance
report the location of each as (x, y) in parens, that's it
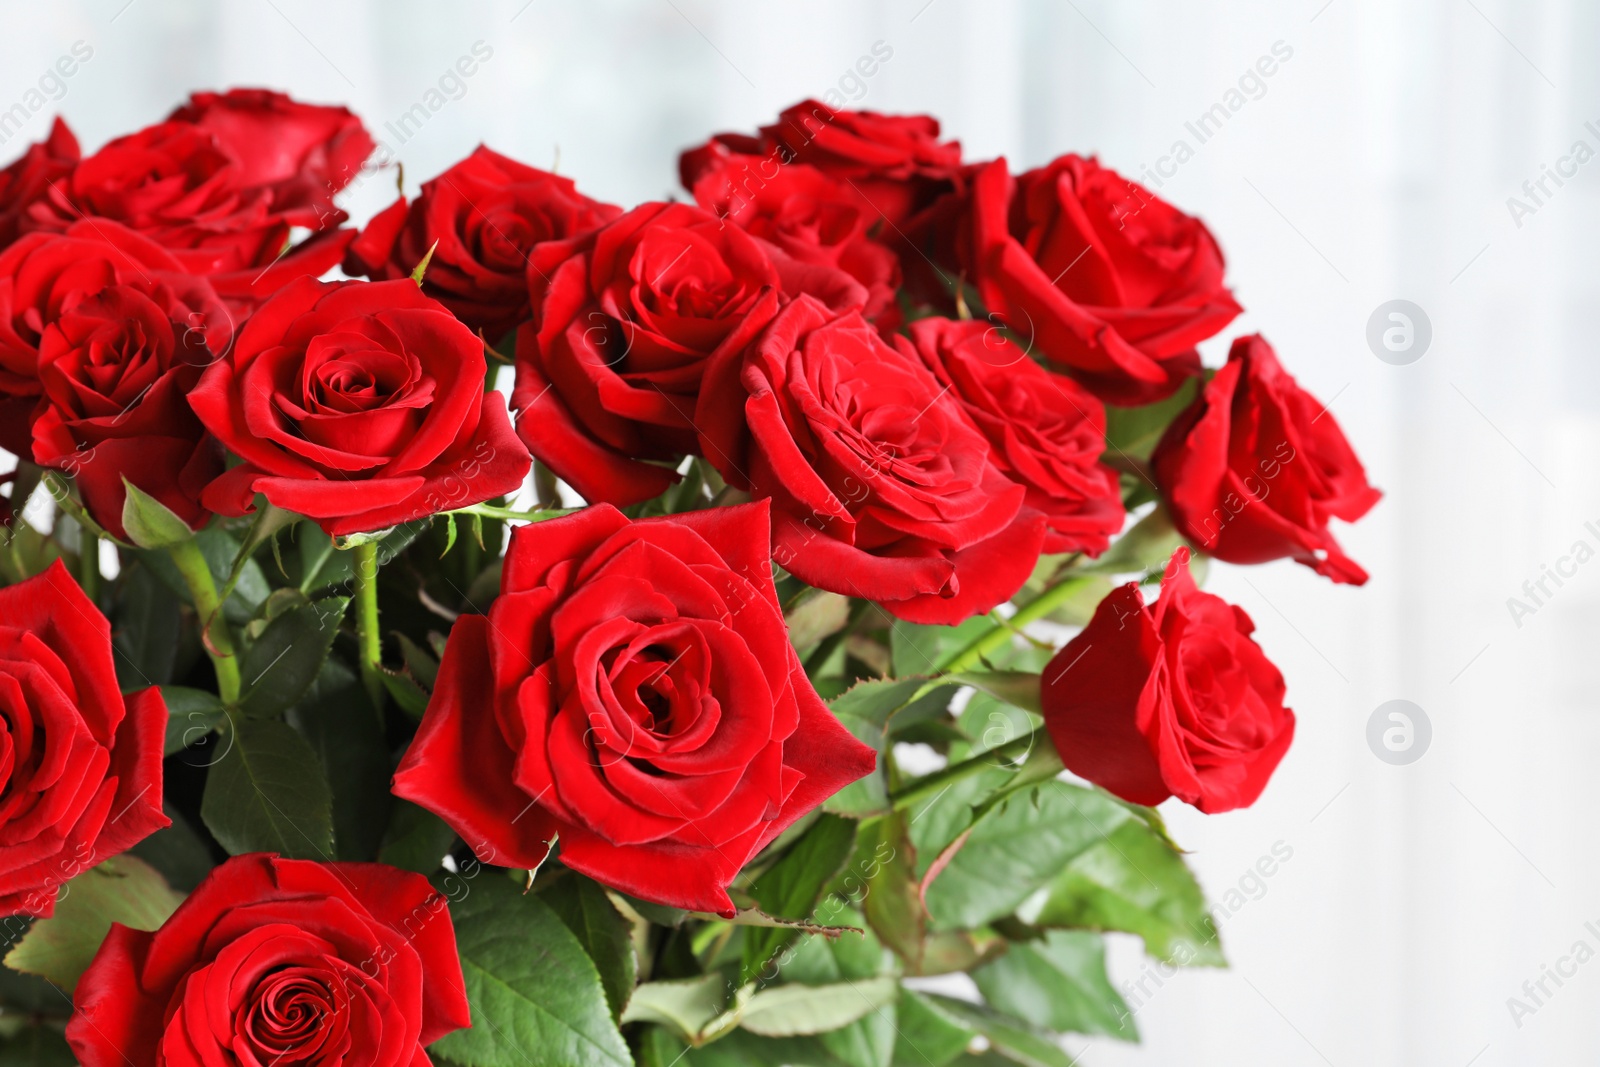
(525, 606)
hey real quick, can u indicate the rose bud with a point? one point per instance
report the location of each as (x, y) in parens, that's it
(1253, 470)
(1174, 699)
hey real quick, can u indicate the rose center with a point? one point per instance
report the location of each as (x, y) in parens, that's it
(291, 1014)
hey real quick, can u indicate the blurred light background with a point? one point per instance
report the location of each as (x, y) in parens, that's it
(1374, 164)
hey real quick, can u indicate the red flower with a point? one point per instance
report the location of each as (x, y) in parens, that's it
(360, 405)
(481, 217)
(82, 767)
(1255, 467)
(1045, 431)
(117, 369)
(625, 321)
(302, 153)
(26, 180)
(633, 692)
(1111, 282)
(1174, 700)
(43, 276)
(278, 961)
(882, 488)
(813, 218)
(894, 165)
(204, 187)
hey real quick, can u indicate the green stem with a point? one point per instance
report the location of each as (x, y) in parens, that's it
(933, 784)
(367, 632)
(993, 639)
(489, 511)
(25, 480)
(89, 564)
(218, 641)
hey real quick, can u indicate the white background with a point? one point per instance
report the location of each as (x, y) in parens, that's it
(1376, 166)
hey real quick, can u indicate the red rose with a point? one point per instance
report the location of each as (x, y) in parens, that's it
(82, 766)
(882, 488)
(1111, 282)
(1174, 700)
(274, 961)
(813, 218)
(893, 165)
(44, 275)
(480, 218)
(1255, 467)
(26, 180)
(624, 322)
(178, 185)
(1045, 431)
(117, 369)
(633, 692)
(360, 405)
(302, 153)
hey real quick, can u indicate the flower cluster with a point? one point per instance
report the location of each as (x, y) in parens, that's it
(822, 422)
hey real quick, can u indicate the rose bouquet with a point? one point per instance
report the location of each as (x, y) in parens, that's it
(704, 702)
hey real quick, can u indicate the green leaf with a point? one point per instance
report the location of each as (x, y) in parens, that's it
(740, 1048)
(280, 666)
(1143, 549)
(268, 794)
(918, 649)
(411, 697)
(791, 887)
(867, 1042)
(928, 1036)
(146, 625)
(321, 564)
(865, 711)
(336, 718)
(537, 1000)
(695, 1009)
(424, 666)
(817, 615)
(1136, 882)
(1020, 689)
(37, 1046)
(1011, 1038)
(1015, 848)
(935, 823)
(602, 931)
(1135, 432)
(817, 961)
(177, 852)
(192, 714)
(893, 903)
(149, 522)
(122, 889)
(1079, 606)
(1058, 983)
(416, 839)
(794, 1009)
